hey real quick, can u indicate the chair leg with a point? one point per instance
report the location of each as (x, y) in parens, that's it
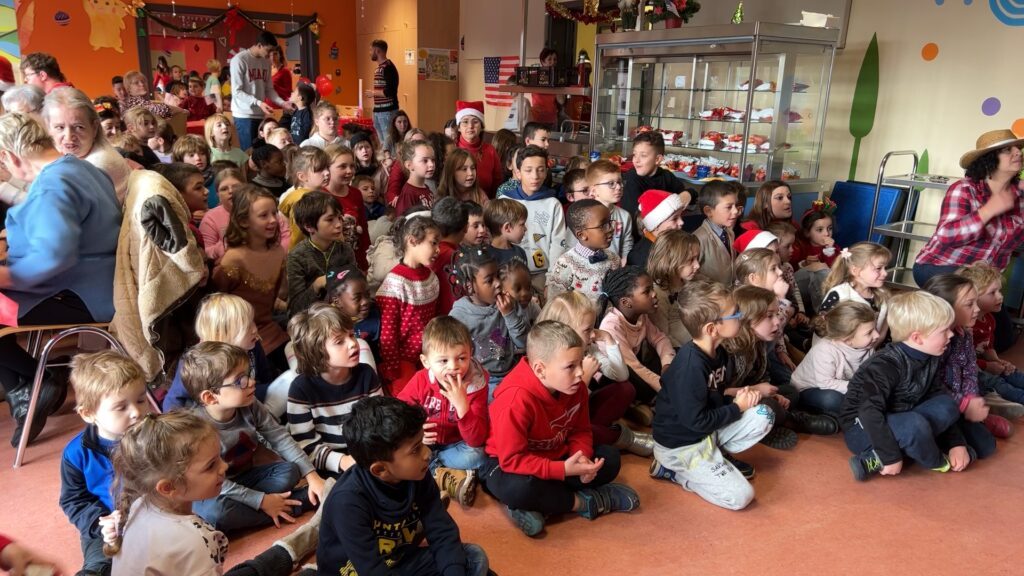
(37, 385)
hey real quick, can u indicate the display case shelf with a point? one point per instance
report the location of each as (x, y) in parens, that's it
(561, 91)
(665, 78)
(907, 229)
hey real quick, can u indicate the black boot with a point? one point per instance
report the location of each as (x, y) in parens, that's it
(51, 397)
(818, 424)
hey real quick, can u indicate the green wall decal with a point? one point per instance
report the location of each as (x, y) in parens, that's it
(865, 102)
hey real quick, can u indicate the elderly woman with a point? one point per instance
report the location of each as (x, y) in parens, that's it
(138, 95)
(60, 264)
(982, 216)
(26, 98)
(469, 116)
(75, 128)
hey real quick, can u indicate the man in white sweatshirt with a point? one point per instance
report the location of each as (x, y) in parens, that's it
(250, 85)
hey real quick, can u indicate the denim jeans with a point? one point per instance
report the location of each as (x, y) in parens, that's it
(228, 515)
(822, 400)
(1010, 386)
(94, 561)
(458, 455)
(247, 129)
(924, 272)
(978, 437)
(914, 430)
(382, 124)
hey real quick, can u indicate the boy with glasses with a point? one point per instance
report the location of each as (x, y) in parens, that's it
(582, 269)
(696, 427)
(217, 376)
(604, 180)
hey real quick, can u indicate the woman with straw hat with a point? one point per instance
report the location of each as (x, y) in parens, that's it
(982, 217)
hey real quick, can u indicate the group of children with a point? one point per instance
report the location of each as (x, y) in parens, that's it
(507, 342)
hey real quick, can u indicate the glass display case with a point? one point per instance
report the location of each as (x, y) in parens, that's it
(741, 101)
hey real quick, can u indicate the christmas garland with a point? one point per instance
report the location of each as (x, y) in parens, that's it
(555, 9)
(234, 17)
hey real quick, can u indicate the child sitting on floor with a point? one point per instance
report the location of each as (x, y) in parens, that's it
(452, 389)
(110, 395)
(848, 339)
(859, 274)
(166, 464)
(451, 218)
(506, 221)
(385, 506)
(660, 212)
(897, 405)
(322, 251)
(515, 281)
(673, 262)
(720, 206)
(331, 379)
(646, 350)
(497, 324)
(476, 229)
(541, 454)
(408, 300)
(604, 372)
(349, 292)
(761, 267)
(584, 266)
(269, 162)
(223, 140)
(309, 170)
(217, 376)
(995, 375)
(696, 429)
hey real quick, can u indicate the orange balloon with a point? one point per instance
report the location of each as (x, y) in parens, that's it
(1018, 127)
(930, 51)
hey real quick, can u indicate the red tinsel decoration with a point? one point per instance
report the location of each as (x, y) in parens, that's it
(234, 23)
(557, 10)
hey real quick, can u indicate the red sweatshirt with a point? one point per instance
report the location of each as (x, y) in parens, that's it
(489, 173)
(423, 390)
(442, 267)
(407, 299)
(352, 205)
(533, 430)
(396, 179)
(411, 196)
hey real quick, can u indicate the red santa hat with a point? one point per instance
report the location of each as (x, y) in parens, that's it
(656, 206)
(465, 109)
(754, 239)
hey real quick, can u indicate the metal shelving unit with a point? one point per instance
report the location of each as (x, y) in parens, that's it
(907, 228)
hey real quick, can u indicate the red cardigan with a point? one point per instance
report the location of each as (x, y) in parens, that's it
(489, 171)
(533, 430)
(352, 205)
(423, 390)
(442, 267)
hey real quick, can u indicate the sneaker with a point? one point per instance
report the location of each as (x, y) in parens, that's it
(608, 498)
(864, 465)
(530, 522)
(744, 468)
(640, 413)
(817, 424)
(780, 438)
(460, 484)
(446, 499)
(659, 472)
(999, 427)
(1001, 407)
(945, 466)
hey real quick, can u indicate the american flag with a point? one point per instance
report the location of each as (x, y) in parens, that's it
(497, 70)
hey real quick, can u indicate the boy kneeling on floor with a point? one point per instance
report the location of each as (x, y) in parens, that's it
(382, 509)
(896, 403)
(542, 458)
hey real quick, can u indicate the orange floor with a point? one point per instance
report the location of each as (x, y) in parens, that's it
(809, 517)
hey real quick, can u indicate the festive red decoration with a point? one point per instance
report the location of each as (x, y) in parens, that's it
(557, 10)
(324, 86)
(234, 22)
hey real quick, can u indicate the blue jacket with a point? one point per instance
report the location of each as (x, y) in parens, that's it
(86, 474)
(64, 237)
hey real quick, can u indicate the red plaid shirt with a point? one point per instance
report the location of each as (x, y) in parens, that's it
(961, 238)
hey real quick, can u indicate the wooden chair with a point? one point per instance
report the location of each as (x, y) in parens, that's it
(35, 339)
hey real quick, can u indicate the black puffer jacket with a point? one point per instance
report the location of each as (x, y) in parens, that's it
(895, 379)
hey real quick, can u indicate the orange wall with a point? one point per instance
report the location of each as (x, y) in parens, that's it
(91, 69)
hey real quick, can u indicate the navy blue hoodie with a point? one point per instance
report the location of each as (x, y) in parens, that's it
(85, 477)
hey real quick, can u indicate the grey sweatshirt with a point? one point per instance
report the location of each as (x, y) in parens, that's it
(239, 438)
(251, 84)
(495, 338)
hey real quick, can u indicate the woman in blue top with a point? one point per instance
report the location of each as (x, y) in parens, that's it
(62, 241)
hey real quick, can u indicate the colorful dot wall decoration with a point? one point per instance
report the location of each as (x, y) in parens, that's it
(991, 106)
(929, 51)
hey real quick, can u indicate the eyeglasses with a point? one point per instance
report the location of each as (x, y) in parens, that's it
(734, 316)
(243, 382)
(614, 184)
(28, 73)
(606, 226)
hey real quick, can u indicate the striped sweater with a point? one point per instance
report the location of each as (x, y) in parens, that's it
(316, 409)
(407, 299)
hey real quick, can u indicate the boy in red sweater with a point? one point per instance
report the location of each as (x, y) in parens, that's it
(451, 217)
(541, 454)
(452, 388)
